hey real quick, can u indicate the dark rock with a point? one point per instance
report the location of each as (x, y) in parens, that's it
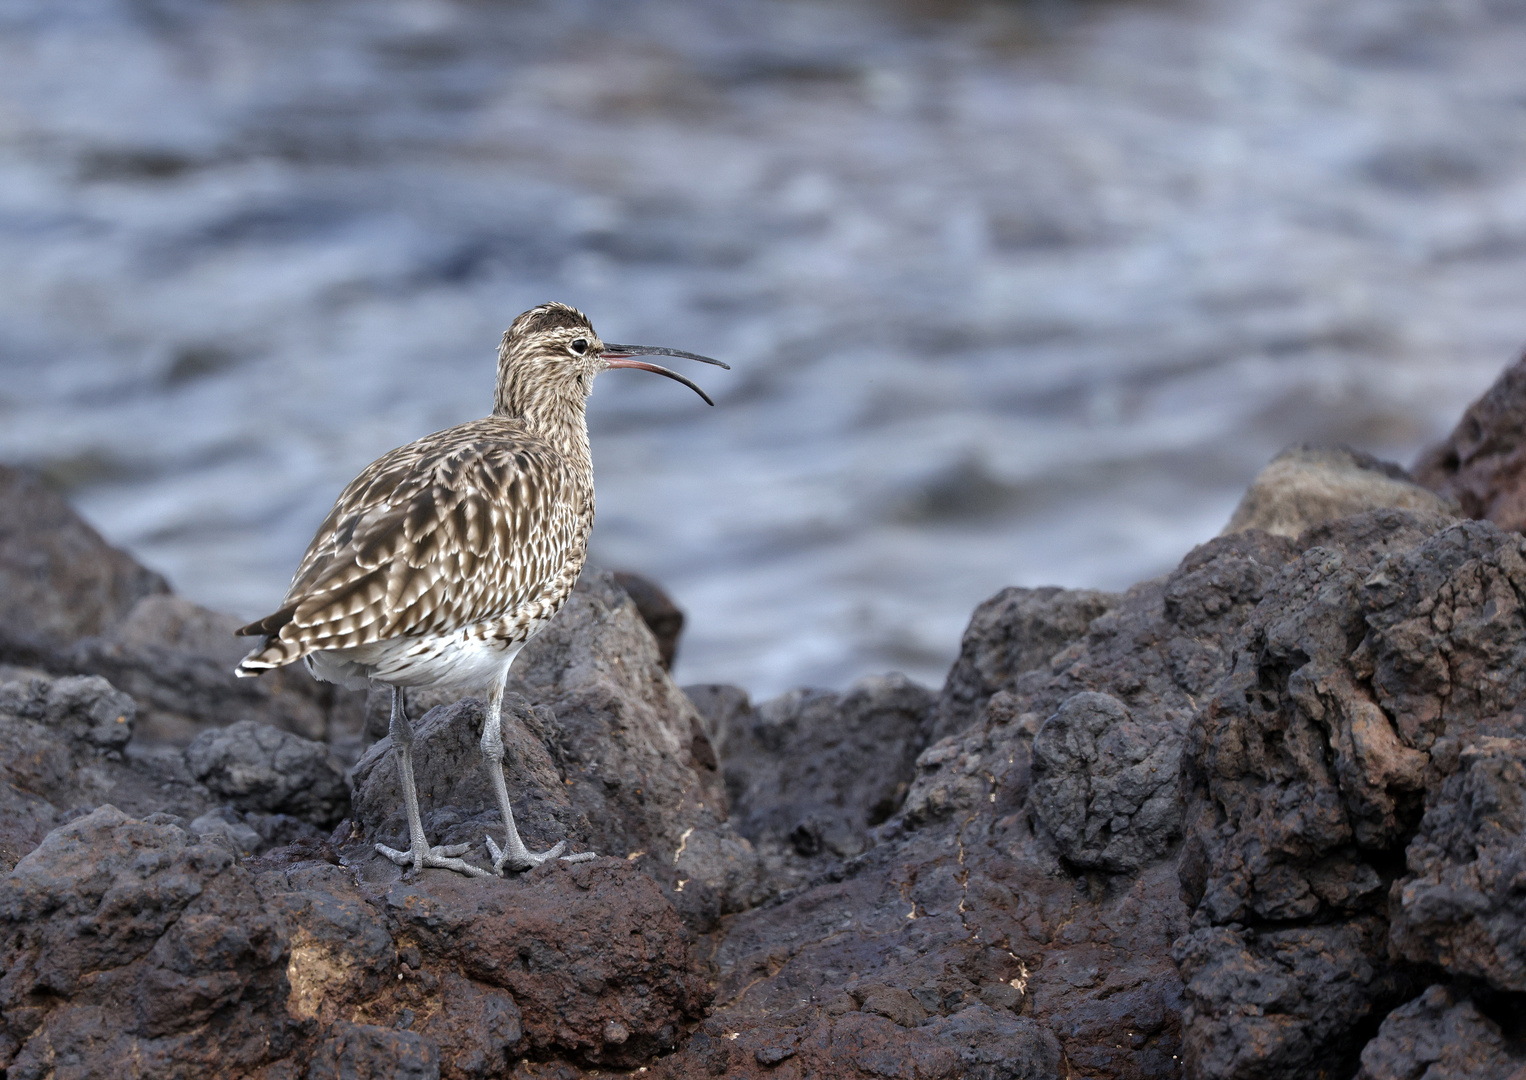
(965, 890)
(813, 771)
(64, 750)
(1280, 1003)
(1105, 787)
(259, 767)
(724, 711)
(657, 610)
(1389, 646)
(455, 794)
(1440, 1036)
(176, 659)
(974, 1044)
(1462, 907)
(368, 1052)
(72, 604)
(1482, 463)
(59, 581)
(577, 946)
(1014, 632)
(132, 950)
(77, 709)
(1307, 485)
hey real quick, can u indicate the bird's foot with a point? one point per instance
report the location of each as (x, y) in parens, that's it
(443, 857)
(519, 857)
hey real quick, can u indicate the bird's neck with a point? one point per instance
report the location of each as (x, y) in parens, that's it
(559, 419)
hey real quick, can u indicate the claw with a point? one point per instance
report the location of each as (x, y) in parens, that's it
(528, 860)
(440, 858)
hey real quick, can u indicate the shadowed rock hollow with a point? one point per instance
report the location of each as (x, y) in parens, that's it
(1259, 818)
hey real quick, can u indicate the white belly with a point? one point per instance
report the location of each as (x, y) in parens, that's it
(460, 661)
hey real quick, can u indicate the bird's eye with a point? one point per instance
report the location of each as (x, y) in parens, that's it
(579, 346)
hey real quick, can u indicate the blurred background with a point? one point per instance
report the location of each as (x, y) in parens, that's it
(1014, 293)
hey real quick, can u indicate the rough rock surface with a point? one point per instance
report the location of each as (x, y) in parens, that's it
(966, 907)
(70, 604)
(64, 747)
(657, 610)
(1308, 485)
(176, 659)
(1482, 463)
(132, 949)
(1105, 787)
(262, 768)
(1441, 1037)
(810, 773)
(1260, 818)
(613, 756)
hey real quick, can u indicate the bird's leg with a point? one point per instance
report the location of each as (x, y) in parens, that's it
(419, 853)
(513, 854)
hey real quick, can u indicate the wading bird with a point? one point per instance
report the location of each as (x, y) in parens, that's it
(442, 558)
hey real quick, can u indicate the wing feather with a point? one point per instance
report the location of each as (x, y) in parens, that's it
(455, 529)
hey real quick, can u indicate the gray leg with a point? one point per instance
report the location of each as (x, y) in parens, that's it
(513, 854)
(419, 853)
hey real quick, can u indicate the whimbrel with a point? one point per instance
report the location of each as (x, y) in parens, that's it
(443, 557)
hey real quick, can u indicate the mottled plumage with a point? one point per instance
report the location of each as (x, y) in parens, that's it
(442, 558)
(481, 529)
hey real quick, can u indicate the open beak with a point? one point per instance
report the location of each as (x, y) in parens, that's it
(618, 356)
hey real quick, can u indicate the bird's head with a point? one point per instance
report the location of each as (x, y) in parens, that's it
(550, 355)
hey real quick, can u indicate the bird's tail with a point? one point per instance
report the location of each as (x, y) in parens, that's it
(273, 653)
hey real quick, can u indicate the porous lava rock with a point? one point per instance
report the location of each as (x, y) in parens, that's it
(65, 749)
(1104, 787)
(612, 755)
(811, 772)
(133, 948)
(1259, 818)
(71, 604)
(262, 768)
(656, 608)
(1371, 715)
(1442, 1035)
(966, 911)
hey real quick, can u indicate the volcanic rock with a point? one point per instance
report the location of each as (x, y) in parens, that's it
(59, 580)
(131, 948)
(606, 757)
(1482, 463)
(809, 773)
(1308, 485)
(1440, 1036)
(262, 768)
(657, 610)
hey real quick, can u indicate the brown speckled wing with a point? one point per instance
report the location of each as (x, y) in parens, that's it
(458, 528)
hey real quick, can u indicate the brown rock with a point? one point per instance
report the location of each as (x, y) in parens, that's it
(1308, 485)
(1461, 906)
(176, 659)
(130, 948)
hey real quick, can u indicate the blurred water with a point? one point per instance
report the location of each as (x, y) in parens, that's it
(1014, 293)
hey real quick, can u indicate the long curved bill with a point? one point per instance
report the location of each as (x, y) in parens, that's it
(618, 356)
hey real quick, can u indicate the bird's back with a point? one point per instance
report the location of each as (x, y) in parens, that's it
(482, 523)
